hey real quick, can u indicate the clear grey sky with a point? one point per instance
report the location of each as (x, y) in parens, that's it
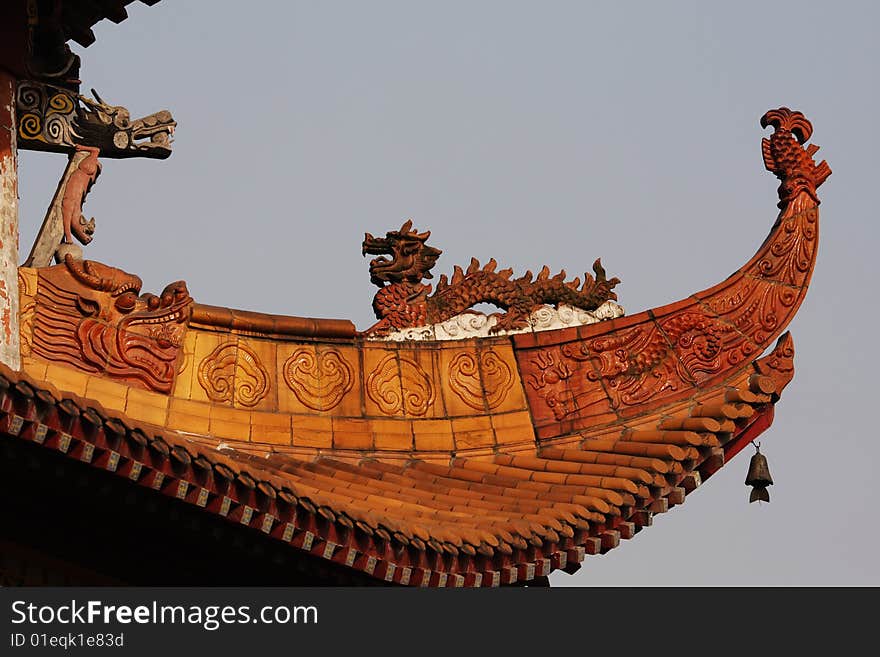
(532, 132)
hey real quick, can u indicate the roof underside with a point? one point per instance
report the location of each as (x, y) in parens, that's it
(78, 18)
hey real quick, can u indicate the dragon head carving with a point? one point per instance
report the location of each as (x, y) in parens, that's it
(58, 120)
(111, 128)
(93, 316)
(411, 258)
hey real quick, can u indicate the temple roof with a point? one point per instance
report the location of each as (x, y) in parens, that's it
(415, 452)
(77, 18)
(461, 461)
(35, 36)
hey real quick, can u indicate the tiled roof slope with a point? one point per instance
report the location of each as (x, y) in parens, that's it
(473, 522)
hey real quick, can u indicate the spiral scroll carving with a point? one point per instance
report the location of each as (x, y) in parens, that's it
(408, 390)
(318, 381)
(234, 374)
(466, 382)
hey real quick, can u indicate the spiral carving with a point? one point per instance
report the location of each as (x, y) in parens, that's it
(408, 390)
(43, 115)
(234, 374)
(466, 382)
(319, 382)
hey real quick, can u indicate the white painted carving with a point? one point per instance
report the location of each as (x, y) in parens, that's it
(472, 324)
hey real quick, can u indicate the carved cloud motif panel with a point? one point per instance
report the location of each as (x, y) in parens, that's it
(406, 390)
(466, 382)
(233, 373)
(319, 381)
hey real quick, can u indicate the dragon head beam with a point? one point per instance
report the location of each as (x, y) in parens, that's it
(111, 128)
(58, 120)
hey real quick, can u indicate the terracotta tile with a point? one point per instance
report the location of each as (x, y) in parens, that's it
(274, 428)
(522, 341)
(352, 403)
(461, 385)
(690, 302)
(587, 423)
(511, 428)
(27, 281)
(420, 384)
(559, 336)
(420, 377)
(229, 422)
(67, 379)
(479, 453)
(256, 370)
(110, 394)
(500, 374)
(383, 395)
(188, 416)
(547, 375)
(309, 438)
(396, 435)
(312, 423)
(35, 369)
(433, 435)
(147, 406)
(288, 401)
(183, 381)
(473, 432)
(205, 343)
(351, 434)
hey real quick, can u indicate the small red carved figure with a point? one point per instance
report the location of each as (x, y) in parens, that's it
(78, 186)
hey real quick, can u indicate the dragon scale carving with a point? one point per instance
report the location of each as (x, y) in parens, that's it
(404, 301)
(93, 317)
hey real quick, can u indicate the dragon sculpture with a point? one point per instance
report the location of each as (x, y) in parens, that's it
(404, 301)
(93, 317)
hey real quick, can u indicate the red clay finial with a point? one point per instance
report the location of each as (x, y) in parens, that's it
(788, 160)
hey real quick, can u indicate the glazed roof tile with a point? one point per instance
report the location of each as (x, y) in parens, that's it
(514, 514)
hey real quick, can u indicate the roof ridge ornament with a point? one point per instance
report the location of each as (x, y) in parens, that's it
(791, 162)
(405, 302)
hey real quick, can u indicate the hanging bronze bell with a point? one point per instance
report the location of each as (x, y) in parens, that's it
(759, 477)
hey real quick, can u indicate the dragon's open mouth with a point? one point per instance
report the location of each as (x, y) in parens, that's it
(376, 246)
(161, 317)
(111, 128)
(155, 131)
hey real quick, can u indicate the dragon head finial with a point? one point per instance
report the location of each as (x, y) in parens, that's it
(411, 258)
